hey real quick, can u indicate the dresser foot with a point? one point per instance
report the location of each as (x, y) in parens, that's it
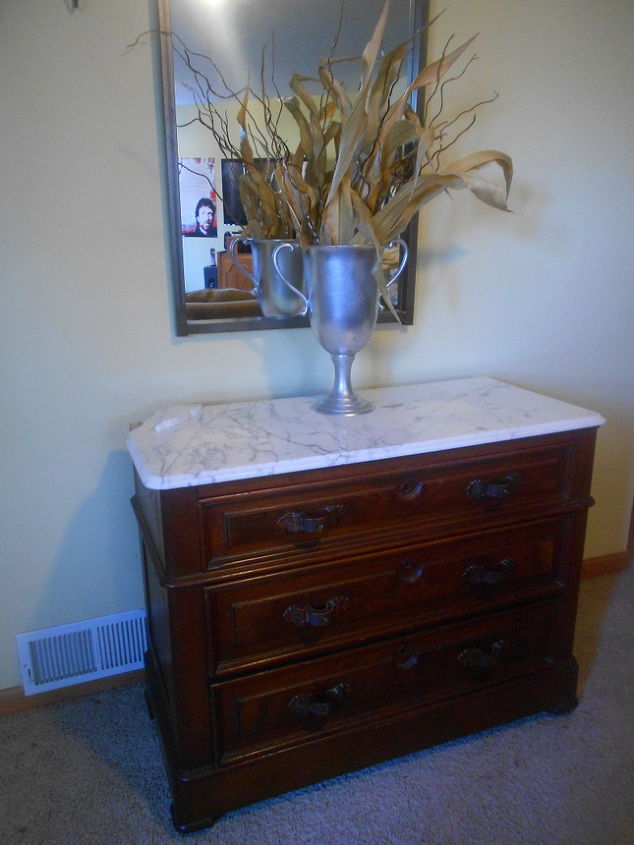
(565, 707)
(194, 826)
(148, 703)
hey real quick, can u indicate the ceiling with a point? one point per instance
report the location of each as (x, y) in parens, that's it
(293, 33)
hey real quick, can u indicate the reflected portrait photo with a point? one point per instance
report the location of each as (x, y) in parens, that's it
(197, 186)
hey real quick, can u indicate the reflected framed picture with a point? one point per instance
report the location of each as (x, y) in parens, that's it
(199, 222)
(197, 185)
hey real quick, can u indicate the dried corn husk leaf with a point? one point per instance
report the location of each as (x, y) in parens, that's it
(305, 132)
(335, 91)
(373, 46)
(303, 94)
(484, 190)
(367, 234)
(355, 125)
(393, 218)
(436, 70)
(339, 220)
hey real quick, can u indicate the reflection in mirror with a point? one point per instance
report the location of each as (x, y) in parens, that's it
(205, 213)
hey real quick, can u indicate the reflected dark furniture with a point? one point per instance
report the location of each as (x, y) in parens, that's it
(228, 274)
(212, 303)
(308, 624)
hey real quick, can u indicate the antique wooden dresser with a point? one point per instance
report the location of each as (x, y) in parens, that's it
(325, 593)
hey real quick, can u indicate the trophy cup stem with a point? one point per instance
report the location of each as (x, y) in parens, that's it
(342, 399)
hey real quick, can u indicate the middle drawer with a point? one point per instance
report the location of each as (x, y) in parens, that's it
(257, 621)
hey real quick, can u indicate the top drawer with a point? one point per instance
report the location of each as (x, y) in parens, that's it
(338, 506)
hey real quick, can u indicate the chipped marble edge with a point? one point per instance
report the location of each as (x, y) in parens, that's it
(383, 452)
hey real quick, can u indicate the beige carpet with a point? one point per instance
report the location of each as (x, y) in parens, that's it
(90, 771)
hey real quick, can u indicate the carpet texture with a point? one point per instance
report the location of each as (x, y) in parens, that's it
(90, 771)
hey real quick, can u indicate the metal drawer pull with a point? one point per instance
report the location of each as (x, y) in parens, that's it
(406, 659)
(480, 576)
(409, 571)
(314, 617)
(480, 488)
(310, 522)
(409, 490)
(477, 658)
(312, 704)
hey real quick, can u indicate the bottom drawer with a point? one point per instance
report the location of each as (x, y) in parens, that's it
(273, 709)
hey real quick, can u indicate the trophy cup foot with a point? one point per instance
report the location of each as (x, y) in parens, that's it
(347, 406)
(342, 399)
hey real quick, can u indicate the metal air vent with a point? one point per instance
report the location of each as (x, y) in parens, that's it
(82, 651)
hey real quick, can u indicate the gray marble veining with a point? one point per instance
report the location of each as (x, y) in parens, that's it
(185, 445)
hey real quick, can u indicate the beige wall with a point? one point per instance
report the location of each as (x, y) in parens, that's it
(542, 298)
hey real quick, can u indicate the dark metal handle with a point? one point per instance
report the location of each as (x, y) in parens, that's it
(310, 522)
(406, 659)
(477, 658)
(410, 489)
(410, 572)
(501, 488)
(480, 576)
(319, 704)
(314, 617)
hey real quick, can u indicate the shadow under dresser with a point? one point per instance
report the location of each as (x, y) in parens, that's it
(326, 593)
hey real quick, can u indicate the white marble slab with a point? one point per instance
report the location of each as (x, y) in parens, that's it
(185, 445)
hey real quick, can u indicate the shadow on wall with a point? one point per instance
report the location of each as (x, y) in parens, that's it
(97, 570)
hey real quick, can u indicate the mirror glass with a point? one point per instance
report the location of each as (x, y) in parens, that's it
(241, 37)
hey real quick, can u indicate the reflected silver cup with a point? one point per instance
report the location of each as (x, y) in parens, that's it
(342, 300)
(274, 296)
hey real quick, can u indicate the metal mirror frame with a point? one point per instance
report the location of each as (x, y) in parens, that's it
(183, 326)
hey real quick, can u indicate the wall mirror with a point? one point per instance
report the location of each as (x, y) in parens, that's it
(210, 294)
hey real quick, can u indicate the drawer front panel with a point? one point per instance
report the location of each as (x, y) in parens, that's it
(266, 618)
(342, 512)
(283, 706)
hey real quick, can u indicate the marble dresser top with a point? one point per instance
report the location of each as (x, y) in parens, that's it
(185, 445)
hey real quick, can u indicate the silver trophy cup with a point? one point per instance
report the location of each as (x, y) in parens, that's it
(274, 296)
(342, 301)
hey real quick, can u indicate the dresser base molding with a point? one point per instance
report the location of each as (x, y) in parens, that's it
(203, 795)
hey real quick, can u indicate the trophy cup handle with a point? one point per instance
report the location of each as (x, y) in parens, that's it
(233, 245)
(404, 256)
(276, 252)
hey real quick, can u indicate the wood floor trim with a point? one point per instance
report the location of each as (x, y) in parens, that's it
(604, 564)
(13, 699)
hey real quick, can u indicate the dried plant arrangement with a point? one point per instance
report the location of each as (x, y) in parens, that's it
(366, 162)
(388, 161)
